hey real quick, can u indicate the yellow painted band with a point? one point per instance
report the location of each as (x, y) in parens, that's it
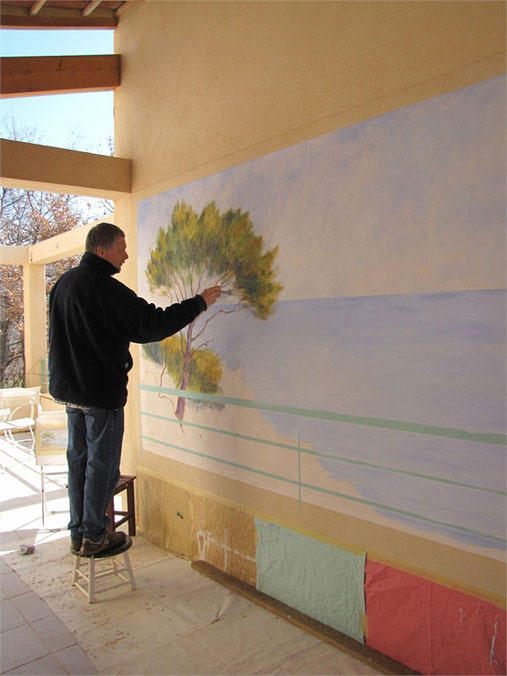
(364, 624)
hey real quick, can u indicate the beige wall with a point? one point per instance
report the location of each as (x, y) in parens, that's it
(202, 81)
(208, 85)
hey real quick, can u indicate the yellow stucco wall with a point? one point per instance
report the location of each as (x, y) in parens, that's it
(202, 81)
(207, 85)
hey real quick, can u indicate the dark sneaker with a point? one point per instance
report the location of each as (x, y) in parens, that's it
(109, 542)
(75, 544)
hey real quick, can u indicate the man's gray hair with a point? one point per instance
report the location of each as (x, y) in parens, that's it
(103, 235)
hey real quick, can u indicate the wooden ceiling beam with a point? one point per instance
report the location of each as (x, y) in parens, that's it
(125, 6)
(30, 166)
(36, 8)
(13, 16)
(89, 9)
(35, 75)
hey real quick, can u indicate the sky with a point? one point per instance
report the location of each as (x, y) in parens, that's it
(78, 121)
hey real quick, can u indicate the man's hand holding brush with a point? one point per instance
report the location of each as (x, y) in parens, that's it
(211, 295)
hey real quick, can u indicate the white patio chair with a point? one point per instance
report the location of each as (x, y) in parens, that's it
(50, 451)
(19, 408)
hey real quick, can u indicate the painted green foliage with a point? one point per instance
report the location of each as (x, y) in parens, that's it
(197, 251)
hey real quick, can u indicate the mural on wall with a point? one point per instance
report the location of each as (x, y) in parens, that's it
(374, 383)
(197, 251)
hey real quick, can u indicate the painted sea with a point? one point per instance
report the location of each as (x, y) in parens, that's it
(422, 378)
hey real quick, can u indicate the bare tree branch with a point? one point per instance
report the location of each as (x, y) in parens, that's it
(219, 312)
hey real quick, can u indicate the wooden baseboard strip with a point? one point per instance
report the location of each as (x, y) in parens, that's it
(348, 645)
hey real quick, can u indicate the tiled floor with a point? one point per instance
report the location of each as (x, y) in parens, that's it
(34, 639)
(176, 622)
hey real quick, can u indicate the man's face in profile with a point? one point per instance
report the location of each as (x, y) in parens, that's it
(116, 254)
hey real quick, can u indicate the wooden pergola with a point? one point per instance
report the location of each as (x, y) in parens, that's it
(26, 165)
(62, 13)
(50, 169)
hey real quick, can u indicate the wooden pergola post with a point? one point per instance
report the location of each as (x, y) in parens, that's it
(34, 297)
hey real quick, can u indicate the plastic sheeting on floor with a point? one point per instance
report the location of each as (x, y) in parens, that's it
(177, 622)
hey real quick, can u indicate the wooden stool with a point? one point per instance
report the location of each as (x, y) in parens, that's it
(88, 584)
(125, 483)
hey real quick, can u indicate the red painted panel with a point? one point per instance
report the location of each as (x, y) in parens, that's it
(431, 628)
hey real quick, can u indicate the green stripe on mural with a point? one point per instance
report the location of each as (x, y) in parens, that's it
(416, 428)
(238, 465)
(307, 451)
(327, 491)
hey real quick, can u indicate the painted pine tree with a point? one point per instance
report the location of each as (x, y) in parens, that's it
(200, 250)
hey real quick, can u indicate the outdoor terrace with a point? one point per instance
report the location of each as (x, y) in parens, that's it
(178, 621)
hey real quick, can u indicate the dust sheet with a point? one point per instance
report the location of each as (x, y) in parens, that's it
(431, 628)
(320, 580)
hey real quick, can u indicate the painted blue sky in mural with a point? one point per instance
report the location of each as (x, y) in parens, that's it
(391, 247)
(350, 208)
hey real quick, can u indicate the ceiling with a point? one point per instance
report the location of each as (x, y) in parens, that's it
(62, 13)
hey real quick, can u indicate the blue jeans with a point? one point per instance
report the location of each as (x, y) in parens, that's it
(93, 456)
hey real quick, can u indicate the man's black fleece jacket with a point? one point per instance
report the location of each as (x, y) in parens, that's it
(92, 320)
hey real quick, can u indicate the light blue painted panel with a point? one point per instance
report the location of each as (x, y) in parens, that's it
(320, 580)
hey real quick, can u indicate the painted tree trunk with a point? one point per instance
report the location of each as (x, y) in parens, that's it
(181, 404)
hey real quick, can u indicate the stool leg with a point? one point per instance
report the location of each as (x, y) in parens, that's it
(110, 514)
(91, 580)
(74, 572)
(131, 508)
(116, 569)
(129, 571)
